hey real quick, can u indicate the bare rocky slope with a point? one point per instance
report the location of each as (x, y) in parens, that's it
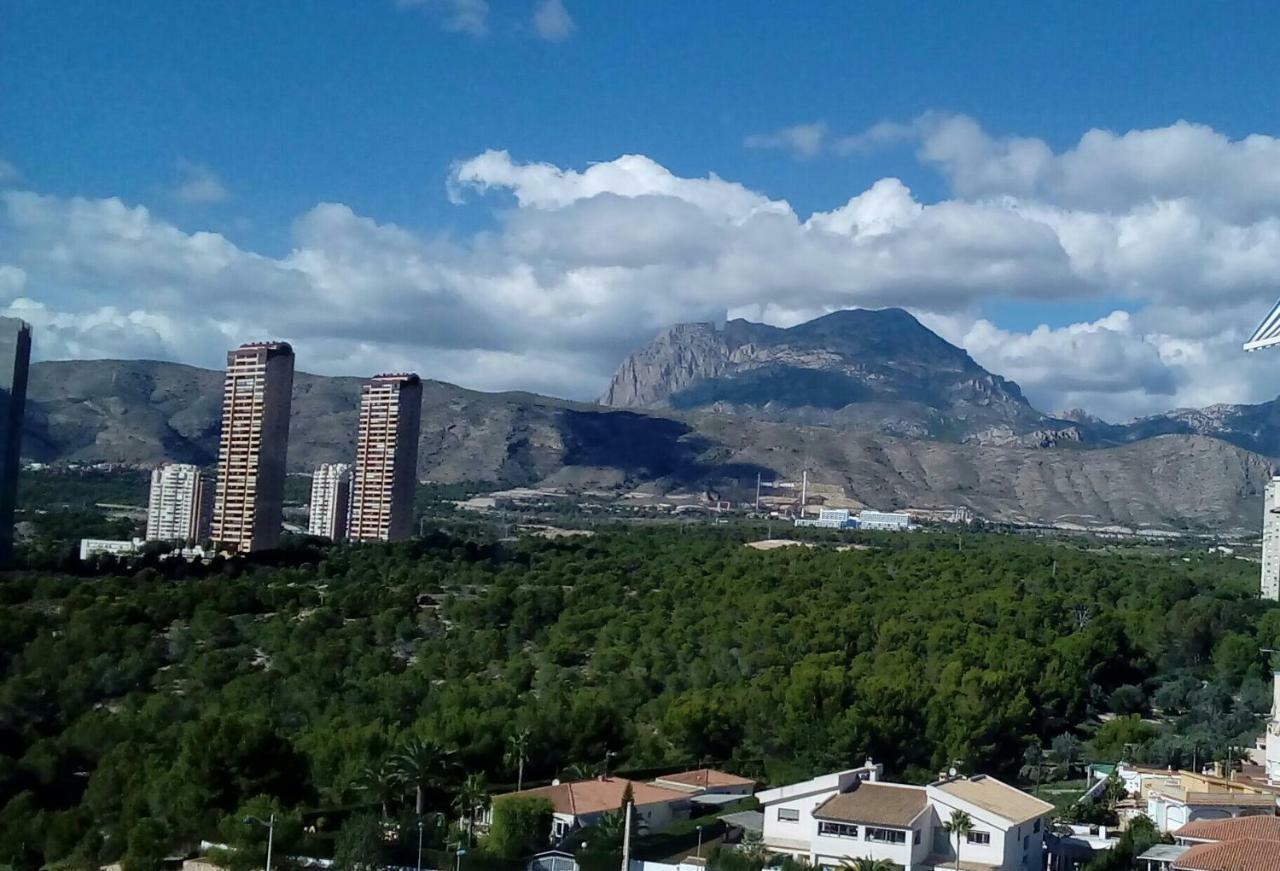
(880, 370)
(143, 412)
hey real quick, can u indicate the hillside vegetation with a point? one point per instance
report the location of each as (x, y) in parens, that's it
(140, 710)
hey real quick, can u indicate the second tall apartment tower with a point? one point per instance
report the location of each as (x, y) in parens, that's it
(386, 472)
(256, 399)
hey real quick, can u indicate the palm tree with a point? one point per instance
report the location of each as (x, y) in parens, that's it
(418, 765)
(868, 865)
(581, 771)
(517, 752)
(960, 824)
(472, 796)
(378, 784)
(610, 826)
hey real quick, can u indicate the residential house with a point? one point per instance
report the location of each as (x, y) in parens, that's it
(581, 803)
(1241, 844)
(855, 814)
(707, 781)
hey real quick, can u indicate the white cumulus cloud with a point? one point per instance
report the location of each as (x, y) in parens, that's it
(583, 264)
(552, 21)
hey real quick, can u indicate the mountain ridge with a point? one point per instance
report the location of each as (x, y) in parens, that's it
(145, 412)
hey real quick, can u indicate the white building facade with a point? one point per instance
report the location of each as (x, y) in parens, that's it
(180, 507)
(1271, 541)
(854, 814)
(330, 501)
(893, 521)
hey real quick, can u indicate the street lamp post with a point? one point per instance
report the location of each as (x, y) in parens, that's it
(419, 843)
(458, 863)
(699, 842)
(270, 825)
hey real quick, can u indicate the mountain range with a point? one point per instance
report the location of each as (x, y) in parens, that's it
(871, 401)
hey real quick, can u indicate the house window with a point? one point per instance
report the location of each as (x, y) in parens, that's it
(788, 815)
(1036, 827)
(915, 836)
(838, 830)
(1026, 842)
(977, 837)
(886, 836)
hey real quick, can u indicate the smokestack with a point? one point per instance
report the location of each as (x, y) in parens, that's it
(804, 492)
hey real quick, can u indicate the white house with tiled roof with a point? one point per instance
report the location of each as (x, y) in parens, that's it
(659, 803)
(855, 814)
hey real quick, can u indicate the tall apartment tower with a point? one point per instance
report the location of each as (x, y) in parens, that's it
(15, 357)
(1271, 541)
(330, 501)
(256, 398)
(386, 458)
(181, 505)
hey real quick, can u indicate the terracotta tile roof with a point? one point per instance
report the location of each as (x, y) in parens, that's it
(1246, 854)
(704, 778)
(877, 804)
(1263, 828)
(999, 798)
(603, 794)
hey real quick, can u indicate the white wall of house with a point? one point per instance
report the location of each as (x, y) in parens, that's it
(788, 810)
(832, 850)
(1008, 846)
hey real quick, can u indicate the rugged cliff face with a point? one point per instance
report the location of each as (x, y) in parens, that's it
(880, 370)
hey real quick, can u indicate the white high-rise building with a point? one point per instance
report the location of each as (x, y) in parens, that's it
(1273, 732)
(181, 504)
(330, 501)
(1271, 541)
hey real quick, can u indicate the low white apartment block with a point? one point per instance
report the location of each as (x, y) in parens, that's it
(854, 814)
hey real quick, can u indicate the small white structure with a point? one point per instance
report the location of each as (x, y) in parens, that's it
(91, 547)
(854, 814)
(893, 521)
(1172, 807)
(1270, 584)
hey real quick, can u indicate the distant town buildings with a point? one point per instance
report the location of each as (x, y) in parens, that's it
(330, 501)
(382, 490)
(15, 358)
(1271, 541)
(257, 394)
(180, 508)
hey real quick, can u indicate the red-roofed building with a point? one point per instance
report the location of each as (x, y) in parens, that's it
(581, 803)
(1246, 854)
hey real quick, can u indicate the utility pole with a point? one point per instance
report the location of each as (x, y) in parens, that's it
(626, 838)
(270, 825)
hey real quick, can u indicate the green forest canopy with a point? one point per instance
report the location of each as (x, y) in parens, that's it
(149, 707)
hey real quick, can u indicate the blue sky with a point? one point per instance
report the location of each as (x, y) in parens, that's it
(240, 118)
